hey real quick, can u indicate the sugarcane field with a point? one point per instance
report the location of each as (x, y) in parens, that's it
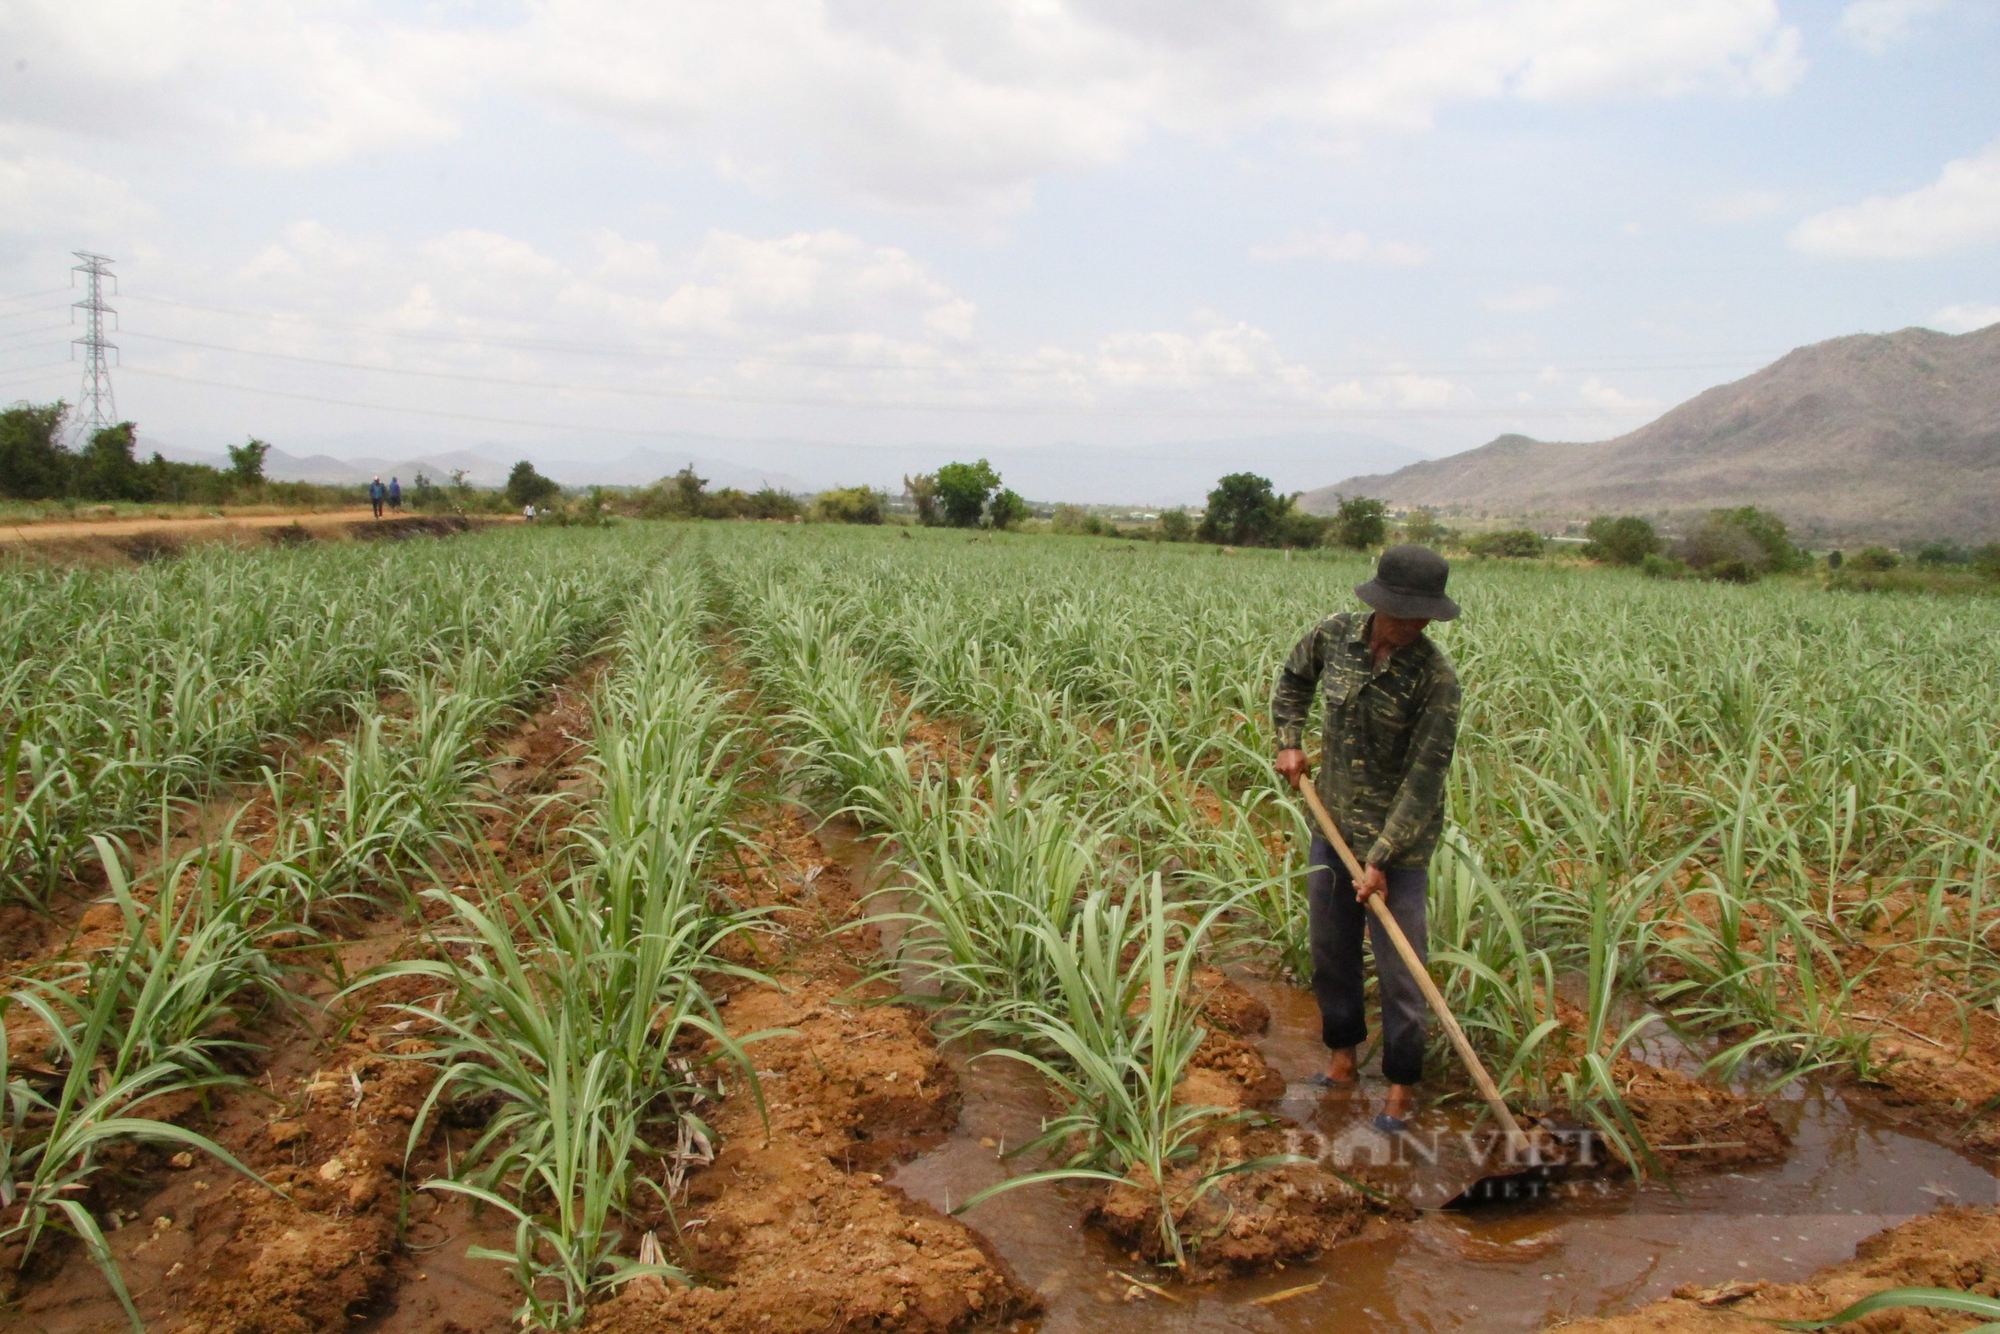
(796, 927)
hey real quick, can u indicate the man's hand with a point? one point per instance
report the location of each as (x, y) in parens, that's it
(1374, 880)
(1291, 765)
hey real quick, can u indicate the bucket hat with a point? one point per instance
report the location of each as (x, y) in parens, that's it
(1409, 582)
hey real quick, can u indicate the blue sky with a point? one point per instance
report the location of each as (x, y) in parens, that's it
(577, 227)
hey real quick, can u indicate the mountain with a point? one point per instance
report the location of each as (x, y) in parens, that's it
(1887, 436)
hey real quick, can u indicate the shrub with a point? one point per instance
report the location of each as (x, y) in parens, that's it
(1625, 540)
(1937, 554)
(850, 504)
(1876, 558)
(1656, 566)
(1515, 542)
(1174, 526)
(33, 463)
(1986, 560)
(1076, 521)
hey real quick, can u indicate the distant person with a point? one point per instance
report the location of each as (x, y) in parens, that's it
(376, 495)
(395, 495)
(528, 512)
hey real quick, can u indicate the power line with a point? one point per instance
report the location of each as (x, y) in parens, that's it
(1274, 414)
(1019, 367)
(100, 407)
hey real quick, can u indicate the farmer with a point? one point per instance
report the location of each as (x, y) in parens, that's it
(395, 496)
(1391, 724)
(375, 496)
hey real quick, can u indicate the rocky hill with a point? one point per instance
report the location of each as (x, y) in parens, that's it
(1885, 436)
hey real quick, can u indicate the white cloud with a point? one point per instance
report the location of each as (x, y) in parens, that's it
(1959, 209)
(1965, 317)
(41, 196)
(1877, 25)
(960, 106)
(1324, 241)
(1520, 301)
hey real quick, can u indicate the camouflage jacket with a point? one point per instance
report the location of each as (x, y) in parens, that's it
(1390, 731)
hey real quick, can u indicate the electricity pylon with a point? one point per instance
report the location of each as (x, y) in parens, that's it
(99, 408)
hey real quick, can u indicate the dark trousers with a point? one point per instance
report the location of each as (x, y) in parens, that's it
(376, 501)
(1336, 919)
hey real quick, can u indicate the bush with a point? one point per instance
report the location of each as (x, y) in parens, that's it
(1514, 542)
(1174, 526)
(850, 504)
(1656, 566)
(1361, 522)
(1986, 560)
(1875, 559)
(1625, 540)
(1936, 555)
(1076, 521)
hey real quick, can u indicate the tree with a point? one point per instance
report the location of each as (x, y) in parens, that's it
(923, 493)
(1361, 522)
(525, 486)
(1625, 540)
(1007, 509)
(1737, 545)
(849, 504)
(1517, 542)
(1421, 526)
(1175, 526)
(1986, 560)
(962, 491)
(246, 462)
(686, 492)
(33, 463)
(1242, 511)
(106, 469)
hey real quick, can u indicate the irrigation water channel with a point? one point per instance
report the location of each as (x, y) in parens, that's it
(1599, 1247)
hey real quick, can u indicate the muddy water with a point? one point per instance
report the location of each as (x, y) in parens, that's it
(1599, 1249)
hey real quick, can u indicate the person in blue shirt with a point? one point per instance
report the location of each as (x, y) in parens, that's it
(395, 496)
(376, 494)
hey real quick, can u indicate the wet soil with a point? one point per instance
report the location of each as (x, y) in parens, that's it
(1957, 1247)
(792, 1227)
(335, 1235)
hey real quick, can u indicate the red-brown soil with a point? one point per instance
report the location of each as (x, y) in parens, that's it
(1953, 1248)
(790, 1229)
(1247, 1222)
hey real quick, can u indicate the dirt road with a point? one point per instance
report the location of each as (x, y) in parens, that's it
(46, 532)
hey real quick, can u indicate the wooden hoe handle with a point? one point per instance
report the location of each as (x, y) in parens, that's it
(1517, 1141)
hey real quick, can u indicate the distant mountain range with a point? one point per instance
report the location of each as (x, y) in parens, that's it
(1155, 475)
(1887, 436)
